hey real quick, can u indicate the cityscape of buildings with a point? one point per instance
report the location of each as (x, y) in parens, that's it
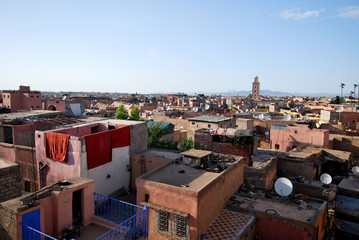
(176, 166)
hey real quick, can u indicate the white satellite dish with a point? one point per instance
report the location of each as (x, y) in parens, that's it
(325, 178)
(195, 109)
(240, 110)
(266, 133)
(64, 97)
(355, 170)
(206, 107)
(237, 112)
(261, 116)
(167, 108)
(287, 117)
(340, 108)
(283, 186)
(158, 109)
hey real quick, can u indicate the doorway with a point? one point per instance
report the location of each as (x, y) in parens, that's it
(77, 208)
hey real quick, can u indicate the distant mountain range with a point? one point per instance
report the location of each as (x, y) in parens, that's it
(228, 93)
(263, 93)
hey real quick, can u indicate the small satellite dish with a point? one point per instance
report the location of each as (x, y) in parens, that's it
(206, 107)
(355, 170)
(195, 109)
(325, 178)
(283, 186)
(237, 112)
(340, 109)
(287, 117)
(168, 108)
(240, 110)
(158, 109)
(266, 133)
(64, 97)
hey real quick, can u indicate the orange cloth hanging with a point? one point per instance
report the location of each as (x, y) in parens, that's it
(56, 146)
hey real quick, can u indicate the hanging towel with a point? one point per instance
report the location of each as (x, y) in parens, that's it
(56, 146)
(99, 150)
(120, 137)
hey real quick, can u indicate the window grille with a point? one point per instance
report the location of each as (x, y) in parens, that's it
(180, 226)
(163, 221)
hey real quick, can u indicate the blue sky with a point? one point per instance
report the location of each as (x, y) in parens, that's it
(179, 46)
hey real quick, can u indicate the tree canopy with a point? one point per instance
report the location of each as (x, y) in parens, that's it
(121, 113)
(135, 114)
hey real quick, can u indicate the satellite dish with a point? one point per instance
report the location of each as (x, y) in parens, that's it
(287, 117)
(355, 170)
(195, 109)
(247, 110)
(240, 110)
(158, 109)
(325, 178)
(340, 108)
(266, 133)
(283, 186)
(206, 107)
(237, 112)
(64, 97)
(167, 108)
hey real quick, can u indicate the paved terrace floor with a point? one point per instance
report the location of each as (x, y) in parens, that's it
(92, 232)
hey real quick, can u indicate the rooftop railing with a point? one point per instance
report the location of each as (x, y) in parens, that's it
(30, 233)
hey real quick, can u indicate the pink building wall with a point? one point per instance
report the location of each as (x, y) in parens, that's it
(59, 104)
(59, 171)
(56, 210)
(201, 206)
(22, 100)
(298, 136)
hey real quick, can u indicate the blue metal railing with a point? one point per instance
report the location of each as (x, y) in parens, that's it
(30, 233)
(114, 210)
(132, 219)
(132, 229)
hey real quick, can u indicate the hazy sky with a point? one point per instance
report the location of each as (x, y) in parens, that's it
(179, 46)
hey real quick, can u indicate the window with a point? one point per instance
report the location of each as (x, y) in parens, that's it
(276, 146)
(27, 186)
(296, 131)
(163, 221)
(180, 226)
(37, 96)
(37, 106)
(193, 123)
(57, 101)
(209, 125)
(32, 96)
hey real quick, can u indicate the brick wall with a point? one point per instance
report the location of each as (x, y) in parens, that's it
(9, 180)
(271, 228)
(25, 157)
(262, 177)
(227, 148)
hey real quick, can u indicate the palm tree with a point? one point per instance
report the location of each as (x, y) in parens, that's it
(342, 86)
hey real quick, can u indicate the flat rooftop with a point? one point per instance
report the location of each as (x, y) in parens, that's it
(15, 204)
(349, 186)
(191, 179)
(5, 163)
(281, 208)
(195, 153)
(28, 114)
(159, 154)
(212, 119)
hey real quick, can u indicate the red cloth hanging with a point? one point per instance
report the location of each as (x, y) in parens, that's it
(56, 146)
(99, 150)
(121, 137)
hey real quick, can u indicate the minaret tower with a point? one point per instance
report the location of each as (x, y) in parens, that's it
(255, 89)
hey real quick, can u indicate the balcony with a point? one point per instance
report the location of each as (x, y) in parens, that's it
(124, 221)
